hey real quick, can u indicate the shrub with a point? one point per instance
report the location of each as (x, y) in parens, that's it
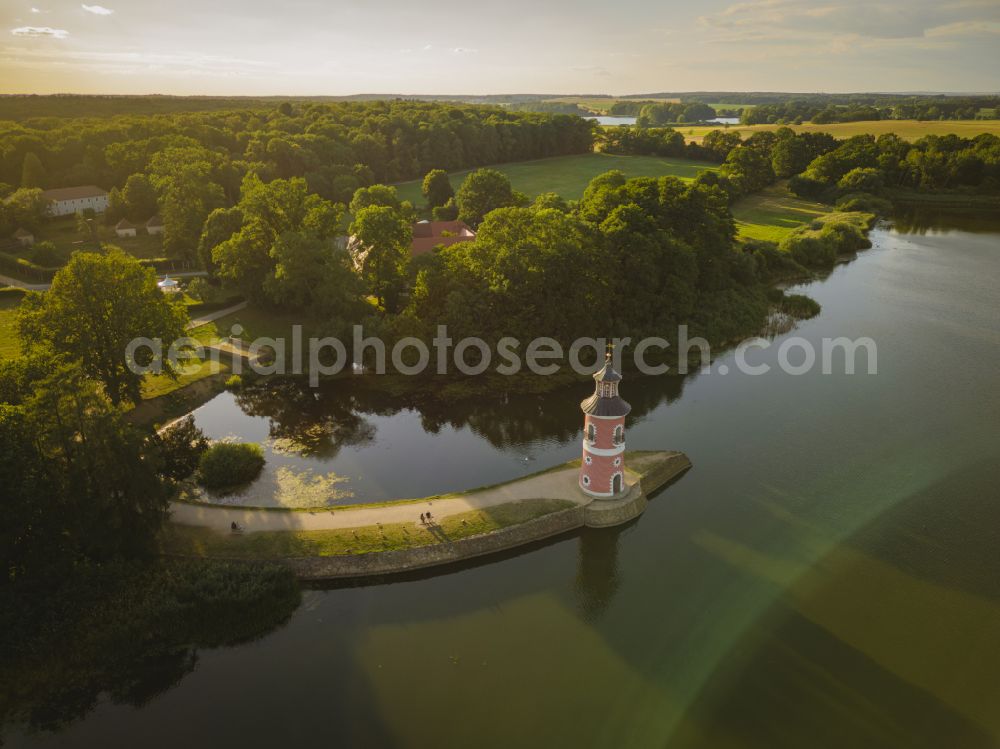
(228, 464)
(808, 248)
(800, 306)
(234, 382)
(809, 188)
(862, 201)
(844, 237)
(862, 179)
(46, 255)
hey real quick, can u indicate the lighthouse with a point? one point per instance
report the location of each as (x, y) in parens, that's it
(602, 470)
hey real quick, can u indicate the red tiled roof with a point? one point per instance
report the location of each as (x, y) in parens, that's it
(155, 221)
(124, 224)
(429, 234)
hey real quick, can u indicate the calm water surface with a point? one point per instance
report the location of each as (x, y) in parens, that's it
(825, 575)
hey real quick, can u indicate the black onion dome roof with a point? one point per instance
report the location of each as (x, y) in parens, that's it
(607, 373)
(595, 405)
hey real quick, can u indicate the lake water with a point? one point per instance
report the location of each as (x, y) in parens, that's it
(824, 576)
(613, 119)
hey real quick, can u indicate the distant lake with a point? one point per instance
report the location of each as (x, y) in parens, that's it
(613, 120)
(622, 120)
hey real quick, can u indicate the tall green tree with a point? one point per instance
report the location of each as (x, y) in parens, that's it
(33, 174)
(436, 188)
(383, 239)
(97, 305)
(482, 191)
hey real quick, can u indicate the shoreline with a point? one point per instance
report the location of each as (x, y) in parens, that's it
(553, 493)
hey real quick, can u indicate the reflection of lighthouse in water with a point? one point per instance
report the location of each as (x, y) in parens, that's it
(597, 578)
(602, 470)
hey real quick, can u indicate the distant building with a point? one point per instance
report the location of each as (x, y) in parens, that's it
(429, 234)
(155, 225)
(125, 228)
(24, 237)
(65, 201)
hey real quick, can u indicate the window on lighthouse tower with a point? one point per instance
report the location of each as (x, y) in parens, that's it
(619, 435)
(591, 432)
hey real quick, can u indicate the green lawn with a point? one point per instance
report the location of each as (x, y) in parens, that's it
(62, 232)
(194, 541)
(774, 213)
(570, 175)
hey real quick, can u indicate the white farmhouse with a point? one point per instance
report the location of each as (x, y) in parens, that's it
(65, 201)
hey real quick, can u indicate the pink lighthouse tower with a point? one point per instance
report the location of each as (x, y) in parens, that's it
(602, 470)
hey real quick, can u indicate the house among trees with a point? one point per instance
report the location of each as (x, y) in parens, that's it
(65, 201)
(155, 225)
(429, 234)
(24, 237)
(125, 228)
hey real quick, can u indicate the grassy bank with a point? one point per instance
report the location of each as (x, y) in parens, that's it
(204, 542)
(774, 213)
(569, 175)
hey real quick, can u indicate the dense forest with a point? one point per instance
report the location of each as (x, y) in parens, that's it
(335, 147)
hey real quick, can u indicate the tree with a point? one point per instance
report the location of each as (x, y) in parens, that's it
(187, 194)
(221, 225)
(139, 198)
(383, 239)
(484, 190)
(97, 305)
(32, 172)
(269, 211)
(26, 208)
(446, 212)
(79, 480)
(436, 188)
(375, 195)
(862, 179)
(180, 448)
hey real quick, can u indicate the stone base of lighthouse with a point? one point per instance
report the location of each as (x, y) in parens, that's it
(622, 508)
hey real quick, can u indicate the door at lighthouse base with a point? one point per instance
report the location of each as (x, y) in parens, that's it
(616, 484)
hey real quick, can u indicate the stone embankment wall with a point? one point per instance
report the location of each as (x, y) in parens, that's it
(404, 560)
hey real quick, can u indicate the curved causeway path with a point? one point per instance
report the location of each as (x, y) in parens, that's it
(389, 538)
(559, 483)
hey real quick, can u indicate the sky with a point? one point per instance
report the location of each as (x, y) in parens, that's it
(293, 47)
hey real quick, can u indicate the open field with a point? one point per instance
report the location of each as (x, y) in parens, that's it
(774, 213)
(570, 175)
(907, 129)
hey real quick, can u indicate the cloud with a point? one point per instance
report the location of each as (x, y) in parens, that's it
(806, 21)
(40, 32)
(97, 10)
(463, 50)
(35, 10)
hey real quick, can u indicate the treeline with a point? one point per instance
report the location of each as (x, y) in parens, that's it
(336, 147)
(656, 113)
(866, 164)
(854, 109)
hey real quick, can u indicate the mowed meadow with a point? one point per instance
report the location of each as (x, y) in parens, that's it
(906, 129)
(569, 175)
